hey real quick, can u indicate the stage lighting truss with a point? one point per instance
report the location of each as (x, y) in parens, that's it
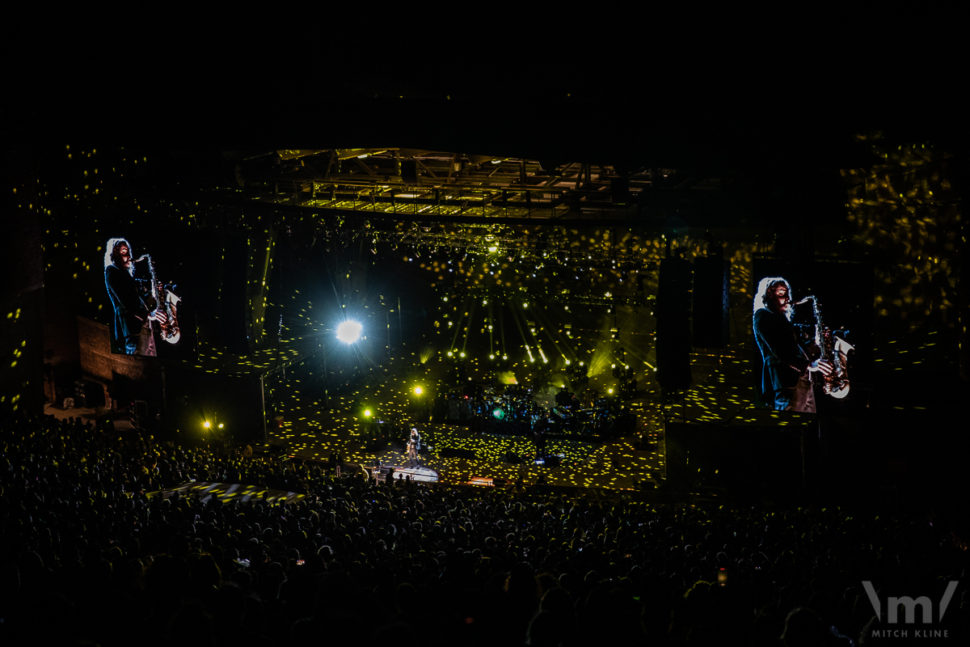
(402, 183)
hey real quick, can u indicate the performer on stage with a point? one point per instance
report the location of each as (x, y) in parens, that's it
(786, 383)
(131, 330)
(412, 453)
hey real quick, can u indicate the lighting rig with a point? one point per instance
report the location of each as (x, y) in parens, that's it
(436, 185)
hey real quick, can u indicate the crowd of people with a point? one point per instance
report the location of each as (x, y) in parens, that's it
(98, 551)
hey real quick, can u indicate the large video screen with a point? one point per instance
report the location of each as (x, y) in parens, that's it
(811, 325)
(144, 310)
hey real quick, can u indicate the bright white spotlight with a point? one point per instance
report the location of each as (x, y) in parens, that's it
(349, 331)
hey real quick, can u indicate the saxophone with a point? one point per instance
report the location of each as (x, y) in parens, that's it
(168, 301)
(834, 349)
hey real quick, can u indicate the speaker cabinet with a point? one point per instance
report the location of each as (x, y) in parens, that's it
(710, 303)
(673, 325)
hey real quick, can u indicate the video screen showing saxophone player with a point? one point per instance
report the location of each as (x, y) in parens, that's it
(145, 309)
(804, 357)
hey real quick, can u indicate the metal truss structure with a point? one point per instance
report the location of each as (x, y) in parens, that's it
(415, 184)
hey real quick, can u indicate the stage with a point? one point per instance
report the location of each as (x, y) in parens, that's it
(417, 473)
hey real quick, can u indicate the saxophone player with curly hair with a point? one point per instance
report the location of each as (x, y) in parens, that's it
(130, 331)
(786, 383)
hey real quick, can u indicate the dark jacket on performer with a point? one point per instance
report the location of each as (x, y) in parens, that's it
(130, 311)
(784, 359)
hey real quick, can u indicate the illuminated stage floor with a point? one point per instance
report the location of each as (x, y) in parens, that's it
(417, 473)
(459, 456)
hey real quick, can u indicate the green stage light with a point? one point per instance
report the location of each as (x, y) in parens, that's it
(499, 413)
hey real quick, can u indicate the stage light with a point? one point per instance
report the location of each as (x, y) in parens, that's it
(349, 331)
(418, 390)
(368, 413)
(206, 424)
(499, 414)
(221, 425)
